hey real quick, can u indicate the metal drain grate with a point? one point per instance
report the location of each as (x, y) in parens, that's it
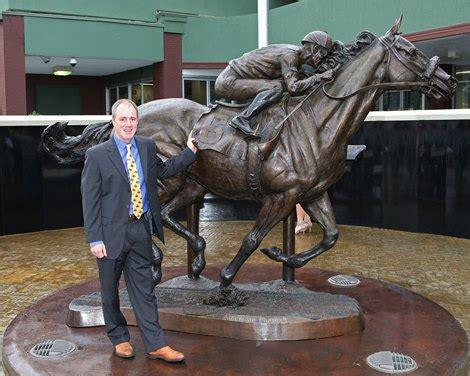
(344, 280)
(53, 349)
(391, 362)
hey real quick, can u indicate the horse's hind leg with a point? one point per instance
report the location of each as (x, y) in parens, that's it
(321, 212)
(190, 193)
(273, 209)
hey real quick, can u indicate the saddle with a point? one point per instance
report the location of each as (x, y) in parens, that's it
(213, 131)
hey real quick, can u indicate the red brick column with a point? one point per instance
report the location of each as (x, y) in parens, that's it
(12, 66)
(168, 74)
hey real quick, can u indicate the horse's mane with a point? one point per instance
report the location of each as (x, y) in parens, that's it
(342, 54)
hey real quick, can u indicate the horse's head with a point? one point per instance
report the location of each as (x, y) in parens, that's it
(408, 64)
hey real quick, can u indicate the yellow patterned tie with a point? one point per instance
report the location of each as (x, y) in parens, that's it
(135, 183)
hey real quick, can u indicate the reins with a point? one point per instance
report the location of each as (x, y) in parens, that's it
(267, 147)
(389, 85)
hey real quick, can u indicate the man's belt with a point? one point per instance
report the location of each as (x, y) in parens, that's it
(133, 218)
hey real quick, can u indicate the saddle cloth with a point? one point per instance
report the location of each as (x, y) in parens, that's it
(212, 131)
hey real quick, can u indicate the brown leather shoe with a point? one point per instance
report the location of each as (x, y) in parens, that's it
(167, 354)
(124, 350)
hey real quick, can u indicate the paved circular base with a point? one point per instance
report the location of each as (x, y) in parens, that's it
(395, 319)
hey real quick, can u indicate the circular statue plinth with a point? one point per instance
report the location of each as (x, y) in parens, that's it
(395, 320)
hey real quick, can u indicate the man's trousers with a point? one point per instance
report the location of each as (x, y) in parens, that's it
(135, 261)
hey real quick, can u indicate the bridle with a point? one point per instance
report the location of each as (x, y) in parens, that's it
(425, 75)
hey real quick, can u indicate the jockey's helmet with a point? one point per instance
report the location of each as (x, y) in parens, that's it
(319, 37)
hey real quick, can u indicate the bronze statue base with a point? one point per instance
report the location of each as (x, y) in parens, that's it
(274, 311)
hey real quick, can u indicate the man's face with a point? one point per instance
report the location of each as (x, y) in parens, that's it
(125, 122)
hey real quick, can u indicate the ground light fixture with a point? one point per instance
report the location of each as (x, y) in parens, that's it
(62, 70)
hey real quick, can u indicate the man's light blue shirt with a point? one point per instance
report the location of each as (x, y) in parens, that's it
(121, 145)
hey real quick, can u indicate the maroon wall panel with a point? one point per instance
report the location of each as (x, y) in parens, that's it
(12, 66)
(168, 74)
(92, 91)
(440, 32)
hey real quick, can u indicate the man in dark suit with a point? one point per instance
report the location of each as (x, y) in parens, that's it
(120, 210)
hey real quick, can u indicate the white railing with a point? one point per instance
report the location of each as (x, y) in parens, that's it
(44, 120)
(41, 120)
(419, 115)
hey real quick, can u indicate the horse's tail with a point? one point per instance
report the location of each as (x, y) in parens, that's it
(71, 149)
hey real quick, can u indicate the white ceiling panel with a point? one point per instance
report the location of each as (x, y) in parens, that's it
(84, 67)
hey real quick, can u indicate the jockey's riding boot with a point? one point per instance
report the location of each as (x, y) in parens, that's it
(261, 101)
(243, 123)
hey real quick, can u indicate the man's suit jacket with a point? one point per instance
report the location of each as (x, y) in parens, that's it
(106, 192)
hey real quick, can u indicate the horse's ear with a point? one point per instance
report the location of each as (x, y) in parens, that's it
(394, 29)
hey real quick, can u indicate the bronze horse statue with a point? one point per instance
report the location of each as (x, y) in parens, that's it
(297, 165)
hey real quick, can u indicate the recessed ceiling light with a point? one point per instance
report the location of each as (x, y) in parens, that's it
(452, 53)
(61, 71)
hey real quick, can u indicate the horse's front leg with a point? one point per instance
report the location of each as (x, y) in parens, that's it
(321, 212)
(273, 209)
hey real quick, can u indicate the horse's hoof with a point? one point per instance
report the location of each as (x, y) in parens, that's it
(275, 254)
(157, 274)
(223, 286)
(226, 278)
(294, 261)
(198, 266)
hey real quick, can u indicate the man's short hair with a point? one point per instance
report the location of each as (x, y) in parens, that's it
(123, 101)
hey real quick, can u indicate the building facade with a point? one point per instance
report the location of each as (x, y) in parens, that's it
(152, 49)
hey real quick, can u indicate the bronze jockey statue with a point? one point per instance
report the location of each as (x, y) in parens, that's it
(264, 74)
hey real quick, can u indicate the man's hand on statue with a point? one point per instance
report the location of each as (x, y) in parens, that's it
(191, 143)
(99, 250)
